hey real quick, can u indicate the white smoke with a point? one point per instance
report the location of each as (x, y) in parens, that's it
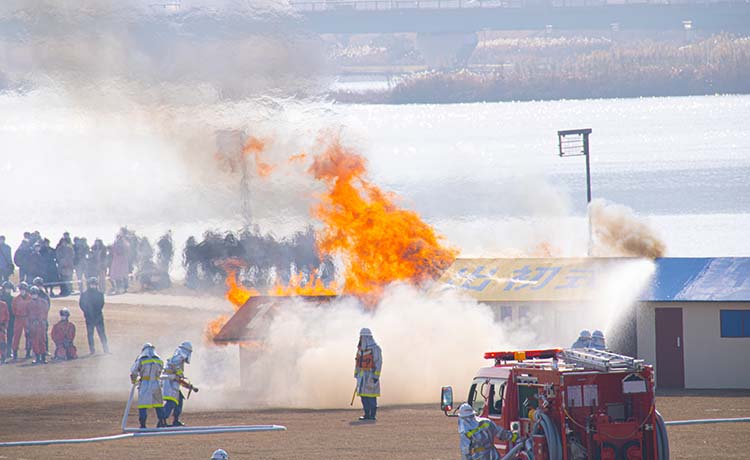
(307, 358)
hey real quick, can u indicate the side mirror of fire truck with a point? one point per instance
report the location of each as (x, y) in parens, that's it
(446, 401)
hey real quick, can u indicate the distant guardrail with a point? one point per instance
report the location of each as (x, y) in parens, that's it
(381, 5)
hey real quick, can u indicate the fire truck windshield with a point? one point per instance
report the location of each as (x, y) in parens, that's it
(489, 392)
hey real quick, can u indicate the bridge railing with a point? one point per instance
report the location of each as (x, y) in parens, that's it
(376, 5)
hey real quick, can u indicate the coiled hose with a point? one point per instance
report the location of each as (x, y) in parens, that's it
(551, 434)
(662, 441)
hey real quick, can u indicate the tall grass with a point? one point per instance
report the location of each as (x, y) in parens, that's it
(716, 64)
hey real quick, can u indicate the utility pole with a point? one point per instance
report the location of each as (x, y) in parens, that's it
(575, 143)
(230, 145)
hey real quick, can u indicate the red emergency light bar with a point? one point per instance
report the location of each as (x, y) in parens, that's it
(522, 355)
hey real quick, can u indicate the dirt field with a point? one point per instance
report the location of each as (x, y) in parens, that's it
(71, 399)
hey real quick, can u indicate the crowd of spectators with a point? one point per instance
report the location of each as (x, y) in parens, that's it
(264, 259)
(260, 260)
(73, 260)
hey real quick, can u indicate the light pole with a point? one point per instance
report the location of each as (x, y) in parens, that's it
(575, 143)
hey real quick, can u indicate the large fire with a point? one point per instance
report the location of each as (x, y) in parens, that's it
(378, 242)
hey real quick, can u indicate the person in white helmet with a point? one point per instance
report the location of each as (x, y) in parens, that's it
(597, 341)
(368, 365)
(583, 341)
(478, 435)
(220, 454)
(173, 378)
(145, 372)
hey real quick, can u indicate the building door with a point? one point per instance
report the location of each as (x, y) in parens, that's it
(670, 359)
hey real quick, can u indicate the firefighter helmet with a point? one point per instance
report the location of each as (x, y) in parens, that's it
(147, 345)
(8, 286)
(187, 346)
(365, 332)
(23, 286)
(585, 334)
(34, 290)
(65, 313)
(598, 334)
(93, 281)
(38, 281)
(466, 410)
(220, 454)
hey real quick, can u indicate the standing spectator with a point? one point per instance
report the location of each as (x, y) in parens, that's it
(6, 295)
(190, 262)
(166, 252)
(21, 258)
(82, 253)
(35, 263)
(49, 264)
(96, 265)
(6, 261)
(92, 305)
(65, 255)
(119, 270)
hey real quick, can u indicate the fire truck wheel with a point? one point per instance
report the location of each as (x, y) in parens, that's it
(662, 440)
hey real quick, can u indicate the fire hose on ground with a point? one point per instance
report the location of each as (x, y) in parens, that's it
(147, 432)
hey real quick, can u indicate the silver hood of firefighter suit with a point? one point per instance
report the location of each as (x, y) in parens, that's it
(148, 351)
(467, 419)
(366, 341)
(185, 350)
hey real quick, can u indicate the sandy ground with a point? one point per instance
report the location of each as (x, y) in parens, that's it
(86, 398)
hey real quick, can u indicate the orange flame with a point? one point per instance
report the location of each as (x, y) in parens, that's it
(301, 285)
(381, 243)
(256, 147)
(236, 293)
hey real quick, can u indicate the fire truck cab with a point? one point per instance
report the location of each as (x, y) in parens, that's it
(575, 404)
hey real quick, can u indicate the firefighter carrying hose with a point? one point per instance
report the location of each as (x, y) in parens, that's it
(145, 372)
(478, 435)
(173, 378)
(369, 363)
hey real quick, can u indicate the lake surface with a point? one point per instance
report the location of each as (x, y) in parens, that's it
(486, 175)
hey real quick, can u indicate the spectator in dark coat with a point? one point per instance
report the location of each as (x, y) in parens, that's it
(35, 263)
(96, 263)
(82, 251)
(65, 256)
(92, 305)
(22, 259)
(49, 263)
(7, 267)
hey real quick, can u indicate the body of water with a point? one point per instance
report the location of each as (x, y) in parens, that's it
(487, 175)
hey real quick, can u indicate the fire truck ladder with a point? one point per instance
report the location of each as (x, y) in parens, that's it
(601, 360)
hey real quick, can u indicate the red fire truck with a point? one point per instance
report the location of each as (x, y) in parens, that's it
(572, 404)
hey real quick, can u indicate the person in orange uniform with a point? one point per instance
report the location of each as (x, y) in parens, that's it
(21, 311)
(37, 326)
(63, 334)
(4, 322)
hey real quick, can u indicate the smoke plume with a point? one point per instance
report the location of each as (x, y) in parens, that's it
(619, 232)
(427, 341)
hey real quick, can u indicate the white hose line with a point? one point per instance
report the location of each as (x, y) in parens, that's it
(48, 442)
(707, 421)
(213, 430)
(127, 408)
(187, 428)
